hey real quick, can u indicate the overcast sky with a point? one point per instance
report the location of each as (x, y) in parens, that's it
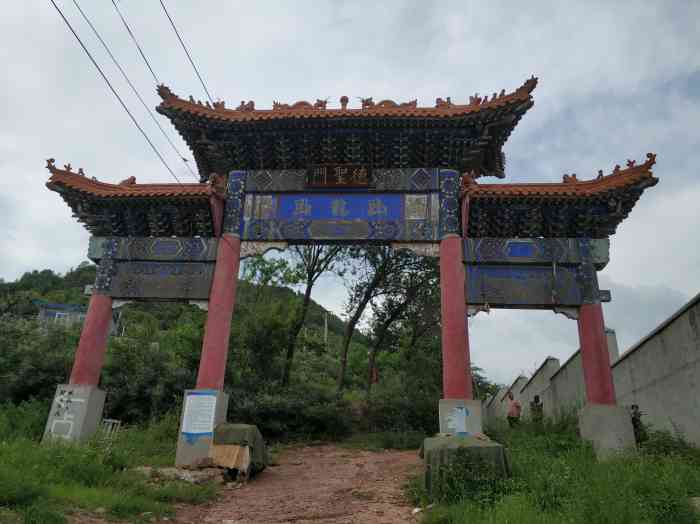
(617, 80)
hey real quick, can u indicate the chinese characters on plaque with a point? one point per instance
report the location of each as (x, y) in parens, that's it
(338, 207)
(338, 176)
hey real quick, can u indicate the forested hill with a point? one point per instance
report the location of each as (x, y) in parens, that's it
(155, 356)
(20, 298)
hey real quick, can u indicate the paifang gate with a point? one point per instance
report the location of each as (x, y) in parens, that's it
(385, 172)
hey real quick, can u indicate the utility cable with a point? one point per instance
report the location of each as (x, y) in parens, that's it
(114, 92)
(133, 88)
(143, 55)
(186, 51)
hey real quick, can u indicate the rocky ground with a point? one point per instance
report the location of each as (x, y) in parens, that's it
(317, 484)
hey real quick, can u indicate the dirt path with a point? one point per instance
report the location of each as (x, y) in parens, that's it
(320, 485)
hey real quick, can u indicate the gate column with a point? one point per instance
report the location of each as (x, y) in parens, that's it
(205, 407)
(77, 407)
(597, 373)
(89, 357)
(607, 425)
(222, 299)
(459, 412)
(456, 370)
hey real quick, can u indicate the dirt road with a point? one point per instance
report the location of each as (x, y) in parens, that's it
(320, 485)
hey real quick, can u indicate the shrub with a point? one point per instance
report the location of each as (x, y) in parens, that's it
(294, 414)
(386, 440)
(468, 476)
(17, 489)
(24, 420)
(556, 478)
(665, 443)
(151, 444)
(42, 513)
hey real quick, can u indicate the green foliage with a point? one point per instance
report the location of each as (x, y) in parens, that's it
(38, 482)
(33, 361)
(468, 476)
(151, 444)
(17, 489)
(24, 420)
(297, 413)
(556, 478)
(665, 443)
(42, 513)
(385, 440)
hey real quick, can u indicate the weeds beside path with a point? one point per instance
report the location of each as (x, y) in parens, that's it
(319, 484)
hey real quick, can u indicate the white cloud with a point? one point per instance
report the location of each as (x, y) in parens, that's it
(615, 82)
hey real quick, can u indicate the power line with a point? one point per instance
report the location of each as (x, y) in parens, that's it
(133, 88)
(186, 51)
(109, 84)
(148, 64)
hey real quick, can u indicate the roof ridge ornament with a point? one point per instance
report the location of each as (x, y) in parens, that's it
(67, 168)
(474, 103)
(246, 106)
(165, 92)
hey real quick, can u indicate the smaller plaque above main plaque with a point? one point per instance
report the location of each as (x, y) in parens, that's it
(338, 176)
(200, 413)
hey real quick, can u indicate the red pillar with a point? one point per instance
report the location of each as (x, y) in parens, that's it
(456, 369)
(90, 354)
(222, 297)
(597, 374)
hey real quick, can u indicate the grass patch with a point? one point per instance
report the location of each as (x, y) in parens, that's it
(41, 482)
(557, 479)
(379, 441)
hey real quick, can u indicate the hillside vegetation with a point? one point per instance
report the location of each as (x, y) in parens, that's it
(330, 392)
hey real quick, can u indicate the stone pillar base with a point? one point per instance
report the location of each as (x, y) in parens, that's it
(438, 452)
(76, 413)
(460, 417)
(202, 411)
(609, 428)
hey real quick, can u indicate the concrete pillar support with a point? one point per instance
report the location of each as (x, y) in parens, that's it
(597, 374)
(222, 298)
(456, 370)
(89, 357)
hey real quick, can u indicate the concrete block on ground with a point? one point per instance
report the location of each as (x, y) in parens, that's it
(75, 413)
(460, 417)
(442, 450)
(202, 411)
(608, 427)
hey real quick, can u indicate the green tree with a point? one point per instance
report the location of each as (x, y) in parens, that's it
(309, 263)
(371, 266)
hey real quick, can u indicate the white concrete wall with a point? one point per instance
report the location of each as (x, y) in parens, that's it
(538, 383)
(661, 373)
(493, 409)
(566, 390)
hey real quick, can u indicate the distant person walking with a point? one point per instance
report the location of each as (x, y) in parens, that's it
(640, 432)
(537, 412)
(514, 409)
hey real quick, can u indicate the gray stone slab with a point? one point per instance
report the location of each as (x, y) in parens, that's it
(203, 410)
(609, 428)
(161, 280)
(175, 249)
(460, 417)
(76, 413)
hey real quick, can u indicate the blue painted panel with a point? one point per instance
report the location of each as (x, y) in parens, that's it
(369, 207)
(521, 249)
(449, 202)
